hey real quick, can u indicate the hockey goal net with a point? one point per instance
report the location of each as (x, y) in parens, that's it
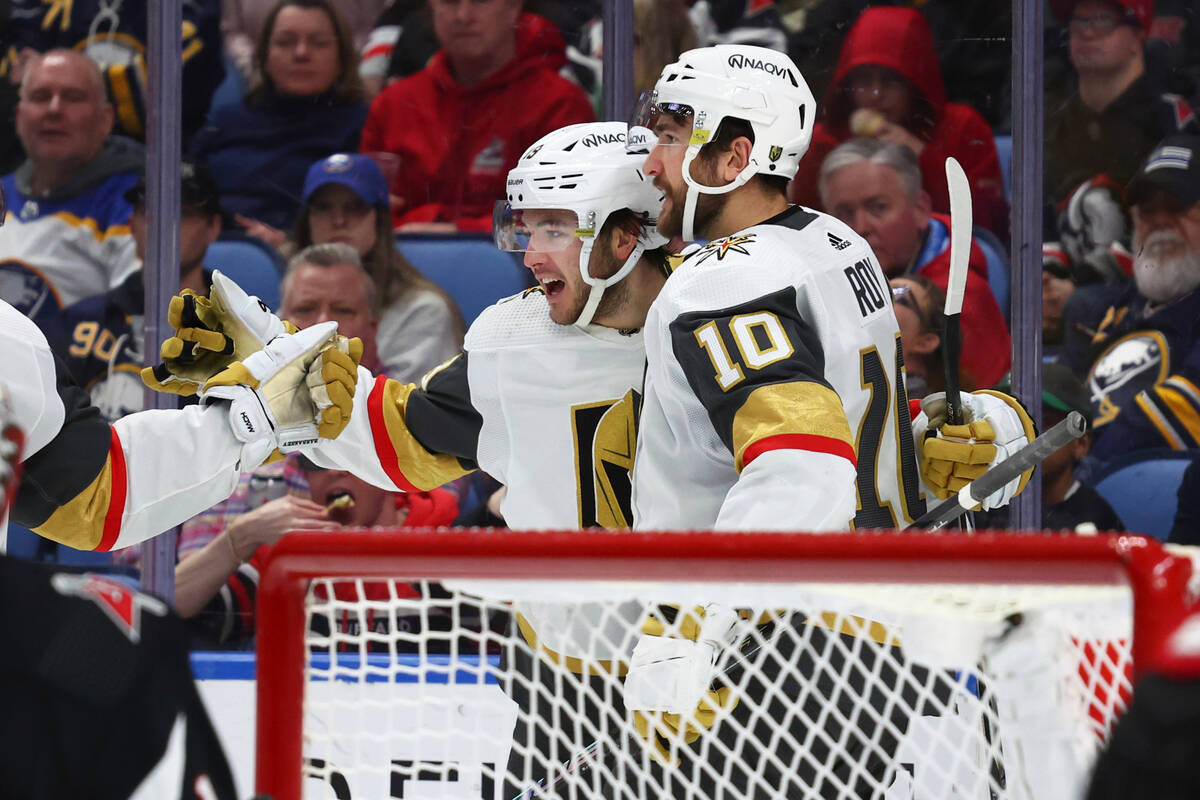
(492, 664)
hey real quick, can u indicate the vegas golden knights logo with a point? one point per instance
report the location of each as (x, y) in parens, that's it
(605, 438)
(775, 152)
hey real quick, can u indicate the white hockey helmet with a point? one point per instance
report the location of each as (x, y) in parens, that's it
(756, 84)
(586, 169)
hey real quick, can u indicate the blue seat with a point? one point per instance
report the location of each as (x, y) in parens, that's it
(1141, 487)
(1004, 151)
(468, 267)
(250, 263)
(998, 268)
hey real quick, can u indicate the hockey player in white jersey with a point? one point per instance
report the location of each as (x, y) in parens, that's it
(774, 396)
(774, 399)
(544, 395)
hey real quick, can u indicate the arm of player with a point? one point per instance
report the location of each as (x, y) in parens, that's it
(97, 487)
(400, 437)
(783, 424)
(408, 437)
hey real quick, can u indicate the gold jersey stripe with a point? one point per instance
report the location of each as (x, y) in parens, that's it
(421, 468)
(799, 407)
(79, 523)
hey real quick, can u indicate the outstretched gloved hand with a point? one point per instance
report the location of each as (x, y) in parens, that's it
(211, 333)
(272, 409)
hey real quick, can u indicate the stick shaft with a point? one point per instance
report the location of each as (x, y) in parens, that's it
(951, 348)
(961, 222)
(995, 479)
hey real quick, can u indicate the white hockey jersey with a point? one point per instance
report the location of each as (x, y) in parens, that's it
(773, 395)
(548, 410)
(99, 487)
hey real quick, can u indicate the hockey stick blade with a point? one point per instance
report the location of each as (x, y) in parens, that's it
(960, 256)
(1034, 453)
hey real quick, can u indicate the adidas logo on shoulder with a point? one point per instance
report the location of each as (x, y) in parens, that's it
(837, 243)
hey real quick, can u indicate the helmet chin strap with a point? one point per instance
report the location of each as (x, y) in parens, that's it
(598, 285)
(696, 189)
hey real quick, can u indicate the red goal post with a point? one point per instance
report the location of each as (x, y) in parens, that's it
(1156, 581)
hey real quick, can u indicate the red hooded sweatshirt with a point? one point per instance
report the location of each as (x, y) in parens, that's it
(456, 144)
(900, 39)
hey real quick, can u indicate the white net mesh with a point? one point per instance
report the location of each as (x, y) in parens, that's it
(501, 690)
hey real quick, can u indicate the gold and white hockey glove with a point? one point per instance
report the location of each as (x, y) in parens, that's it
(331, 380)
(270, 395)
(995, 426)
(667, 686)
(210, 334)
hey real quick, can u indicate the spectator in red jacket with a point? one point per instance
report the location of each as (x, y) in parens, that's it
(888, 86)
(875, 187)
(461, 123)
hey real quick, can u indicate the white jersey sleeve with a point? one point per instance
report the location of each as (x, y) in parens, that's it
(772, 391)
(96, 487)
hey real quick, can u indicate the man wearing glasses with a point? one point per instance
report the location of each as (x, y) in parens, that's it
(1117, 111)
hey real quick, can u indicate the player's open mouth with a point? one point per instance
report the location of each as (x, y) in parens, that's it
(553, 287)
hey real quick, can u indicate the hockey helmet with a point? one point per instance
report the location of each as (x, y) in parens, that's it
(585, 169)
(759, 85)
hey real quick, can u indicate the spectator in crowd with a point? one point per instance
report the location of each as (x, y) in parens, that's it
(114, 36)
(1067, 504)
(216, 579)
(67, 237)
(346, 200)
(1058, 286)
(973, 40)
(1143, 365)
(242, 23)
(1117, 111)
(403, 41)
(918, 303)
(100, 338)
(328, 282)
(460, 124)
(307, 104)
(888, 86)
(323, 282)
(875, 187)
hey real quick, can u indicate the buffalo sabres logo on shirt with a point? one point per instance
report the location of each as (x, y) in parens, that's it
(719, 248)
(24, 288)
(120, 603)
(1130, 365)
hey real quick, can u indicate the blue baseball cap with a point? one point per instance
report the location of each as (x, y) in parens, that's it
(355, 171)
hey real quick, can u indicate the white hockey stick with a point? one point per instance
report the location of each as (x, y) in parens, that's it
(960, 255)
